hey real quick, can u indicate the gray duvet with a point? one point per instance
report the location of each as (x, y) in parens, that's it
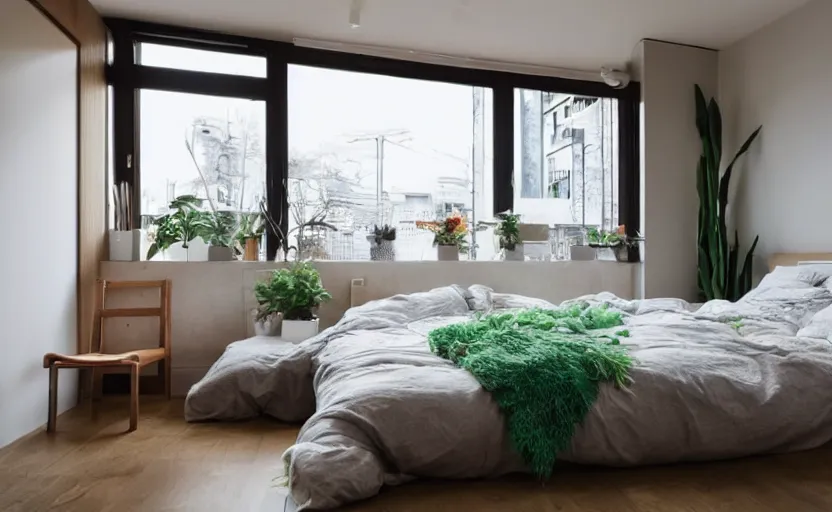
(719, 381)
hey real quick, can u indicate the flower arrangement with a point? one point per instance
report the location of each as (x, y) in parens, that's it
(450, 231)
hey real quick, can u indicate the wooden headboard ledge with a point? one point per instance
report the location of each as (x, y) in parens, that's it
(790, 259)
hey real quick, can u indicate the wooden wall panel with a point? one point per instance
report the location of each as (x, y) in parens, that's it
(81, 22)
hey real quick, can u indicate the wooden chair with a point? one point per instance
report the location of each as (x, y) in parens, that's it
(135, 360)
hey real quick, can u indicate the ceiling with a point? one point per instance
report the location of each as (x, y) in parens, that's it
(577, 34)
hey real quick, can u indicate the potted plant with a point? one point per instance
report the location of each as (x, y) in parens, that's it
(381, 243)
(508, 231)
(448, 236)
(184, 224)
(723, 272)
(251, 231)
(618, 241)
(219, 235)
(296, 293)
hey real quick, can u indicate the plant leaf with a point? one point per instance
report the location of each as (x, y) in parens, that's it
(725, 182)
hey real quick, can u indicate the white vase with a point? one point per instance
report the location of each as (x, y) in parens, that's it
(125, 245)
(517, 254)
(296, 331)
(269, 326)
(447, 253)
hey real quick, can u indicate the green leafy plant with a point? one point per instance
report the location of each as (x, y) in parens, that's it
(720, 275)
(221, 228)
(184, 224)
(602, 238)
(295, 291)
(508, 230)
(385, 232)
(251, 226)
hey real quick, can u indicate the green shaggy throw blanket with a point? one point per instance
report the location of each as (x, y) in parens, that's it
(542, 367)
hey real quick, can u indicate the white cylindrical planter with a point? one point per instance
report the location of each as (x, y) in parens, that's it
(447, 253)
(517, 254)
(581, 253)
(299, 330)
(125, 245)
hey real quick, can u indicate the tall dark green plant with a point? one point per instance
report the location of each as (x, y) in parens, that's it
(720, 275)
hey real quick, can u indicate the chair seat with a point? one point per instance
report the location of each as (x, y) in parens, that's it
(140, 357)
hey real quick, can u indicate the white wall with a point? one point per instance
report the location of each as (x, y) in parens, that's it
(781, 78)
(212, 301)
(38, 180)
(670, 150)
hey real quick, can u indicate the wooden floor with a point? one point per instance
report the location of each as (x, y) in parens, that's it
(168, 465)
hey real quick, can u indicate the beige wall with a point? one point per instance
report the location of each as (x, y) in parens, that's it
(669, 154)
(39, 144)
(212, 301)
(781, 78)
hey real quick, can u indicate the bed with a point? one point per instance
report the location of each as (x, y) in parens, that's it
(714, 381)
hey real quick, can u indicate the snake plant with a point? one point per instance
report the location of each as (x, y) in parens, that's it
(720, 274)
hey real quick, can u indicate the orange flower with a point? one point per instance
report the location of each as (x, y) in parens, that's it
(622, 229)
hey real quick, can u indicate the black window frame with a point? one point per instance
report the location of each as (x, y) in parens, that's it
(128, 78)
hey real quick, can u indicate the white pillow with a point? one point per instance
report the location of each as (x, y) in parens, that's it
(820, 326)
(811, 275)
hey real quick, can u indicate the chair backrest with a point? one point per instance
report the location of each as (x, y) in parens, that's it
(163, 311)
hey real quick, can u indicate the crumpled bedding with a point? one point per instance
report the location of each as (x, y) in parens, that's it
(718, 381)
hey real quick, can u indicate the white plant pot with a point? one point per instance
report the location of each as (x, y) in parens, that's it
(198, 250)
(447, 253)
(269, 326)
(125, 245)
(517, 254)
(299, 330)
(217, 253)
(581, 253)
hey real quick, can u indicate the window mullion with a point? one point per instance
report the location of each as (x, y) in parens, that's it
(277, 149)
(503, 148)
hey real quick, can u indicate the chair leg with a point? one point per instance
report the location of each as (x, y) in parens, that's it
(134, 397)
(53, 399)
(166, 364)
(97, 384)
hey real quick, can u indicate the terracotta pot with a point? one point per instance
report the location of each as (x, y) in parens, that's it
(252, 250)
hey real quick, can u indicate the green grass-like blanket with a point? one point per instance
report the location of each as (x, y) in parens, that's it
(542, 367)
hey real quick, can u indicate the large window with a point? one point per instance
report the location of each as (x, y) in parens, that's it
(380, 150)
(210, 147)
(335, 144)
(565, 159)
(188, 59)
